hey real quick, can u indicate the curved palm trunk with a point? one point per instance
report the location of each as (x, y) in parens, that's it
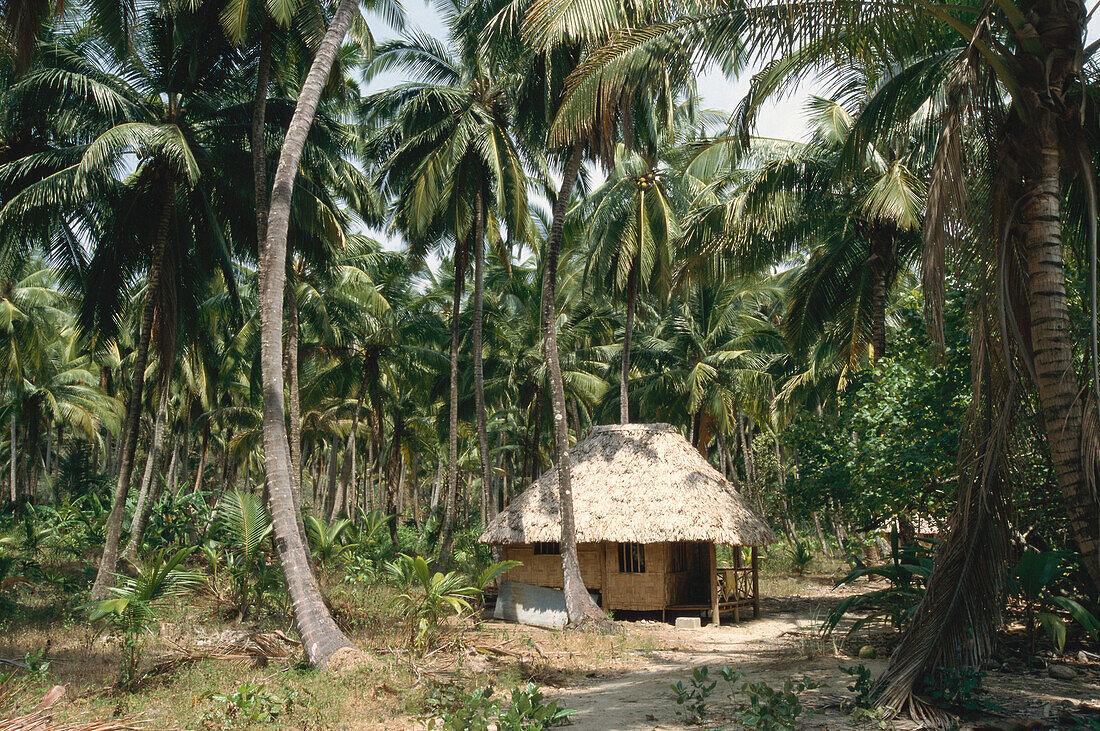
(108, 562)
(321, 638)
(628, 333)
(145, 495)
(579, 606)
(446, 535)
(479, 371)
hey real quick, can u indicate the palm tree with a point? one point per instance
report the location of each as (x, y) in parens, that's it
(321, 638)
(457, 172)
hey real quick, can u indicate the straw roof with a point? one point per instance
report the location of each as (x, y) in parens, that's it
(634, 483)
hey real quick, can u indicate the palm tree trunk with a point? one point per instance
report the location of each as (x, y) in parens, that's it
(479, 372)
(321, 638)
(628, 332)
(1052, 341)
(294, 400)
(579, 606)
(145, 500)
(201, 466)
(446, 535)
(13, 462)
(882, 254)
(394, 472)
(347, 469)
(108, 562)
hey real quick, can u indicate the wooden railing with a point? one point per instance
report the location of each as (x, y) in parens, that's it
(735, 585)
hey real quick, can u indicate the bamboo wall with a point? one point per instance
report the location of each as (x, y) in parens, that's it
(545, 570)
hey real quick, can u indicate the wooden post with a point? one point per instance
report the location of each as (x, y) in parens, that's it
(755, 582)
(714, 586)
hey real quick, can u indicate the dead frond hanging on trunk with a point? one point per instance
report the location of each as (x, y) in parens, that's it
(955, 622)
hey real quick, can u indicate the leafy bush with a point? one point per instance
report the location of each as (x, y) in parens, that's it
(694, 696)
(957, 688)
(132, 609)
(1031, 583)
(479, 710)
(250, 704)
(244, 524)
(428, 596)
(329, 543)
(767, 708)
(800, 557)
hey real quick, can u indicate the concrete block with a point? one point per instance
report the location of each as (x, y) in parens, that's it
(688, 623)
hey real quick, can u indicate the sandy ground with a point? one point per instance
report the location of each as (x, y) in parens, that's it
(778, 645)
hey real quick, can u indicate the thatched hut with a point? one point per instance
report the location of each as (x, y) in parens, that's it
(650, 513)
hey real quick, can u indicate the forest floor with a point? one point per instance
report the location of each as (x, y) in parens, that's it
(209, 674)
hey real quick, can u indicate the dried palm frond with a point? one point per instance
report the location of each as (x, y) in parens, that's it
(955, 622)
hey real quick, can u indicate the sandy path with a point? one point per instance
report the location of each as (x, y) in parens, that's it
(640, 697)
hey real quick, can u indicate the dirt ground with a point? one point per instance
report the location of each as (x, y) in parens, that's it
(783, 643)
(618, 682)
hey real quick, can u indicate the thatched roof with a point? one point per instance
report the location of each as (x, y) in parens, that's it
(636, 483)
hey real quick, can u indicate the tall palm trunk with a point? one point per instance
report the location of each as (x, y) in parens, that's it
(579, 607)
(479, 371)
(108, 562)
(347, 470)
(1052, 340)
(628, 333)
(446, 535)
(145, 495)
(321, 638)
(882, 260)
(14, 461)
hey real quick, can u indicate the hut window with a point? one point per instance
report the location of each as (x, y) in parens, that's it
(631, 558)
(548, 548)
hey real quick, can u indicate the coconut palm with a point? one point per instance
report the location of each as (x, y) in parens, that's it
(456, 173)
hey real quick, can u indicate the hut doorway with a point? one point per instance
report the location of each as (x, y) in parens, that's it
(689, 574)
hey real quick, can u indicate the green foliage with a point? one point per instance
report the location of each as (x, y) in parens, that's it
(800, 557)
(243, 523)
(429, 596)
(478, 710)
(250, 704)
(907, 569)
(132, 608)
(957, 688)
(1032, 582)
(863, 684)
(766, 708)
(693, 697)
(329, 543)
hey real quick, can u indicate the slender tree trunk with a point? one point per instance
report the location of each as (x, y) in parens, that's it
(446, 536)
(628, 333)
(294, 403)
(201, 466)
(145, 494)
(14, 462)
(394, 470)
(321, 638)
(108, 562)
(1052, 342)
(579, 606)
(479, 372)
(881, 261)
(347, 472)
